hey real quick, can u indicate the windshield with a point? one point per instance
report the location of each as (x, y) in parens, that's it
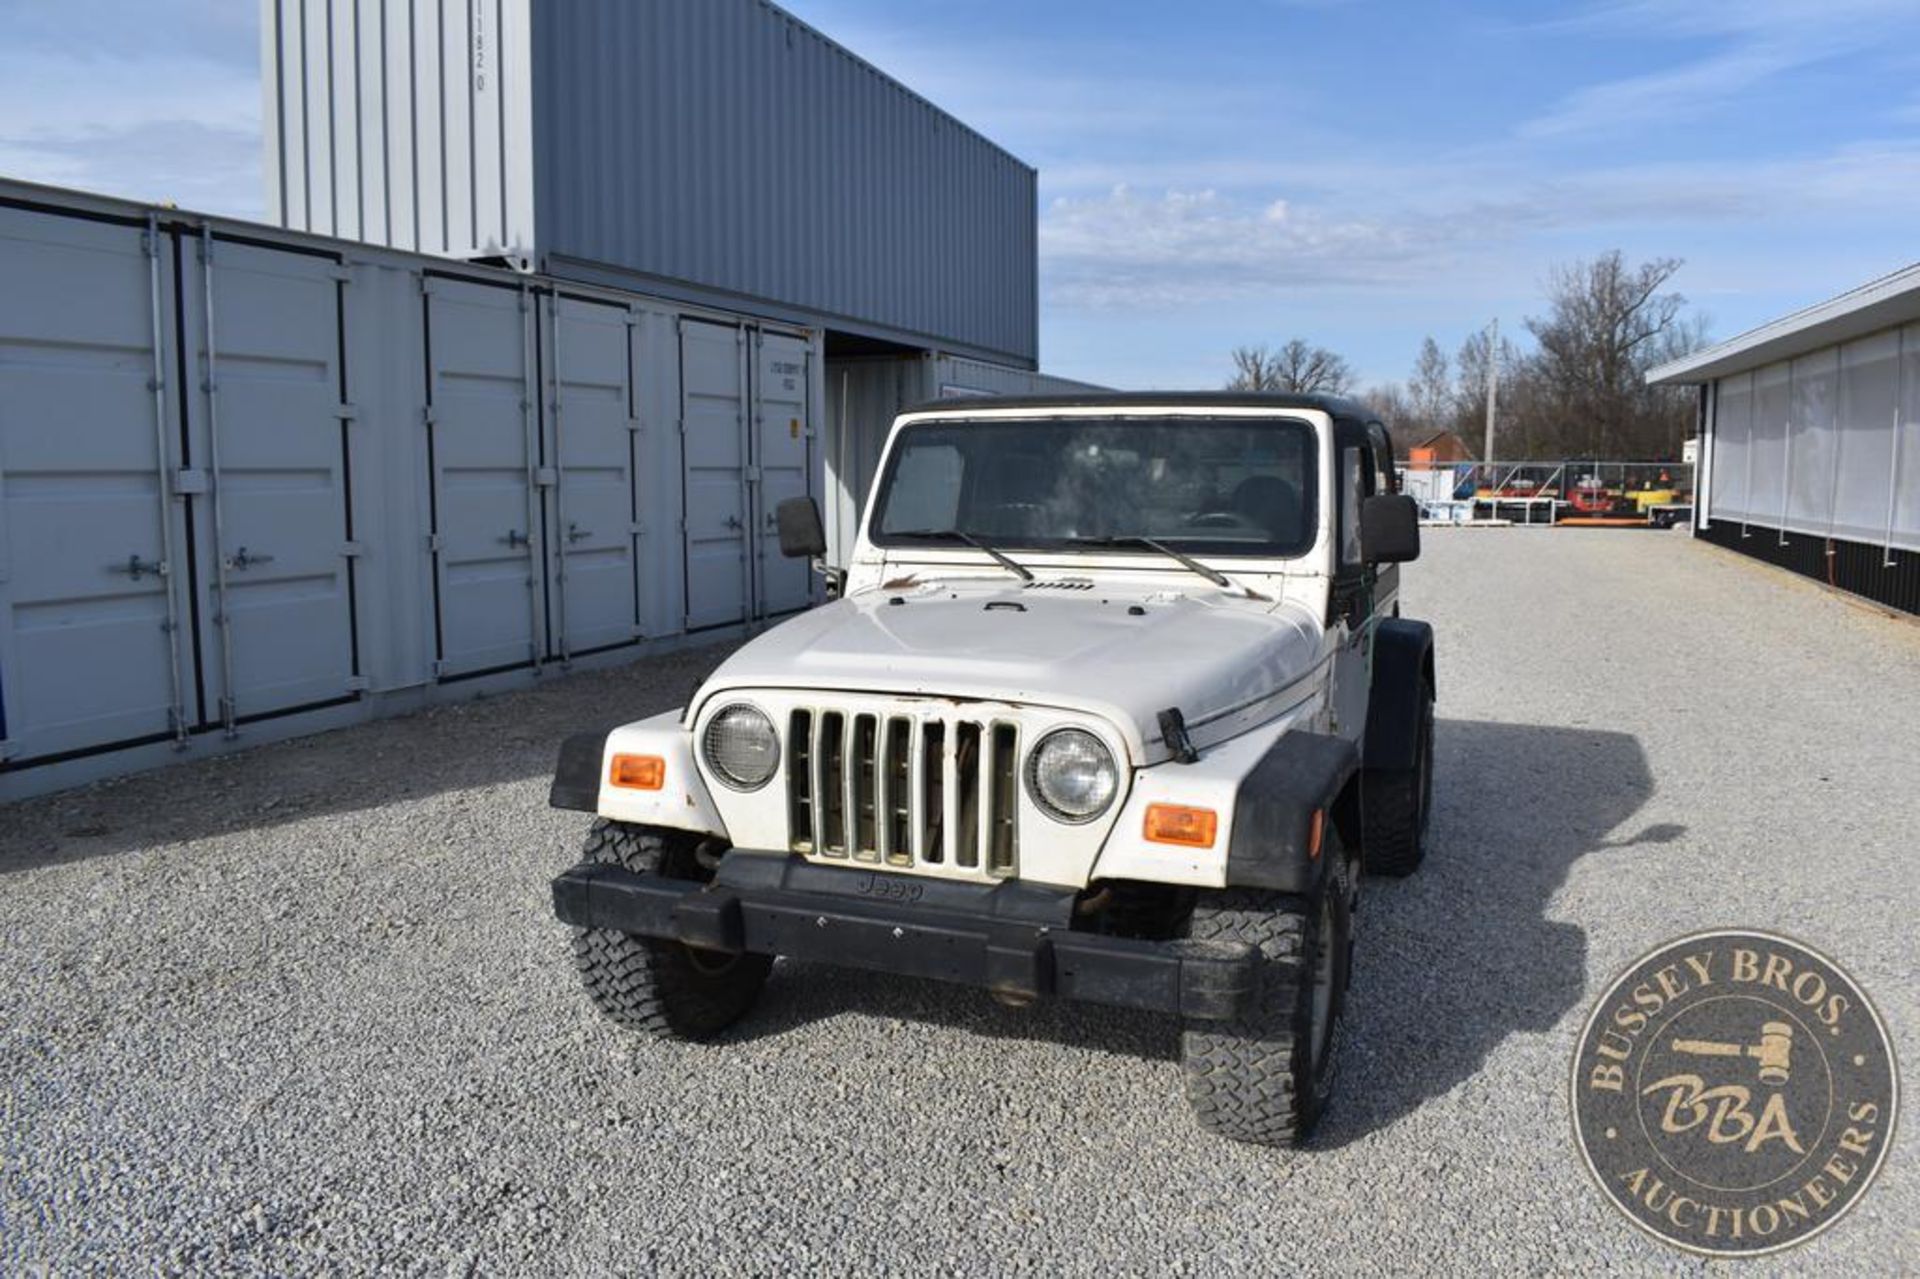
(1211, 486)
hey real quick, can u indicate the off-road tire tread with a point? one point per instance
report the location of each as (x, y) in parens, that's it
(1394, 844)
(1241, 1074)
(650, 985)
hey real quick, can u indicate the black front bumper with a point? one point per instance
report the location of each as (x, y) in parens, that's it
(1015, 939)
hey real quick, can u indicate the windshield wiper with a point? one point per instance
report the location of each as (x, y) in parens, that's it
(955, 535)
(1213, 575)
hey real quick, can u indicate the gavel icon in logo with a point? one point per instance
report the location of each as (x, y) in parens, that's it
(1774, 1052)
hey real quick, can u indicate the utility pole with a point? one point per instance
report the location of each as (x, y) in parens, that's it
(1493, 382)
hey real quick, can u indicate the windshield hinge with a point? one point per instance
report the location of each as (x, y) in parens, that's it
(1173, 731)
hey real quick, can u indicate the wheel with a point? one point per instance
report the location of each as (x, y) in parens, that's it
(1266, 1076)
(665, 988)
(1399, 803)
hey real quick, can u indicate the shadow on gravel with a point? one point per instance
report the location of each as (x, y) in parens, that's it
(488, 741)
(802, 993)
(1462, 955)
(1451, 961)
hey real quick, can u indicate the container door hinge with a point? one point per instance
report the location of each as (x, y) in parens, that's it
(342, 274)
(436, 543)
(353, 550)
(359, 684)
(427, 414)
(638, 529)
(189, 481)
(753, 474)
(347, 412)
(439, 669)
(635, 425)
(546, 477)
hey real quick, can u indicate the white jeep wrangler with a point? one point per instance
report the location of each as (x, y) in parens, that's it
(1115, 705)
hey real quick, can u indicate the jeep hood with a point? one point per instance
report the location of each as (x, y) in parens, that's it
(1124, 654)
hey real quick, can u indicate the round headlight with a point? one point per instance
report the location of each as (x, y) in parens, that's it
(1071, 775)
(741, 746)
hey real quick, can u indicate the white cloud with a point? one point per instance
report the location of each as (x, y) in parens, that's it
(1191, 246)
(1178, 247)
(169, 127)
(1756, 41)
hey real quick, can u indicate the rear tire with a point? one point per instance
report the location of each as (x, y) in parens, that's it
(666, 989)
(1266, 1076)
(1399, 803)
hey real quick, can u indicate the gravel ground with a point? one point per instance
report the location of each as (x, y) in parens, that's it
(305, 1009)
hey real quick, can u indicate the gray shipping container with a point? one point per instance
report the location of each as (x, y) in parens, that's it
(255, 483)
(714, 151)
(864, 395)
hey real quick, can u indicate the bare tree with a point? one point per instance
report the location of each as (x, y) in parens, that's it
(1389, 402)
(1429, 390)
(1608, 323)
(1467, 400)
(1293, 367)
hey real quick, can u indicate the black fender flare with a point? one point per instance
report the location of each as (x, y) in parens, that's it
(1402, 663)
(1271, 844)
(576, 779)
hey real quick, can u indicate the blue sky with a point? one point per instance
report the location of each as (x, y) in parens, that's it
(1358, 173)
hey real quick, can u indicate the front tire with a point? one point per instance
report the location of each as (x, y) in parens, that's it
(1266, 1076)
(1399, 803)
(665, 989)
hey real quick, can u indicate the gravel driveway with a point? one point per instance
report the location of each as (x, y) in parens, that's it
(305, 1009)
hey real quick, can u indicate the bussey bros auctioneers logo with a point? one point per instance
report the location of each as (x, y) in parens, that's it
(1734, 1093)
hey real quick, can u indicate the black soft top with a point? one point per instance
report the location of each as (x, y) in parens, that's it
(1334, 405)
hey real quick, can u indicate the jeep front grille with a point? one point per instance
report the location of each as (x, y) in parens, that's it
(905, 791)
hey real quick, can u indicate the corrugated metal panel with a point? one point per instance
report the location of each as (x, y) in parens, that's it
(865, 395)
(954, 376)
(718, 151)
(1890, 577)
(407, 123)
(724, 144)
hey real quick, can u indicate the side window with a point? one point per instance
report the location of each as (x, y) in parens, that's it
(1382, 448)
(1354, 482)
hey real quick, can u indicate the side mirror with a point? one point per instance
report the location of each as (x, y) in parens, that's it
(1389, 529)
(801, 533)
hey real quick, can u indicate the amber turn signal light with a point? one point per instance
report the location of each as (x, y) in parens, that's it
(638, 772)
(1178, 824)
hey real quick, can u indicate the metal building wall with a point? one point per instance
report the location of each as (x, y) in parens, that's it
(1826, 444)
(863, 396)
(714, 151)
(254, 483)
(725, 144)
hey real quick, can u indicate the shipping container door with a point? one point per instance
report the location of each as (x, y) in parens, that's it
(91, 562)
(590, 429)
(713, 401)
(783, 439)
(483, 445)
(271, 437)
